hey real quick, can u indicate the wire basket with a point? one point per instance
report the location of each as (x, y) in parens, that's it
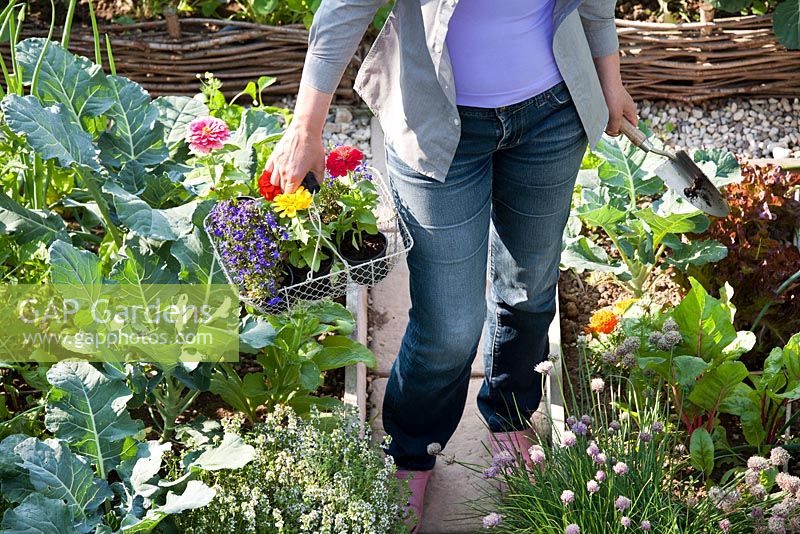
(335, 283)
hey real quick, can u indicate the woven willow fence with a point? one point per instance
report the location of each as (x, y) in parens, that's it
(689, 62)
(699, 61)
(235, 52)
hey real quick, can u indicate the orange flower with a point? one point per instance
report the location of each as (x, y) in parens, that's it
(603, 322)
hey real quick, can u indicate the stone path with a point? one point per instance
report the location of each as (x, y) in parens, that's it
(451, 486)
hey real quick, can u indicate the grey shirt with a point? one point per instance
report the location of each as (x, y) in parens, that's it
(407, 79)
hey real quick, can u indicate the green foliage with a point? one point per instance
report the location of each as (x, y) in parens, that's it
(319, 474)
(628, 450)
(294, 350)
(696, 356)
(761, 404)
(648, 226)
(98, 474)
(760, 231)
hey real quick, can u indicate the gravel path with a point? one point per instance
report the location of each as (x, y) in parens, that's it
(755, 128)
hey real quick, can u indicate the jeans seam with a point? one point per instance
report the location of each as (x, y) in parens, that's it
(492, 352)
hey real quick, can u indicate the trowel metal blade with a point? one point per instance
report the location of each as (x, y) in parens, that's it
(703, 195)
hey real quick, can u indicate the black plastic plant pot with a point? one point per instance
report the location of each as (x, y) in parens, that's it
(368, 263)
(318, 287)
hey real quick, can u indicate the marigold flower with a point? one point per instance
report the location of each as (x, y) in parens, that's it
(206, 134)
(267, 190)
(343, 159)
(603, 322)
(289, 204)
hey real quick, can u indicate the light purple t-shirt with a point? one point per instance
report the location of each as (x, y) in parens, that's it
(501, 51)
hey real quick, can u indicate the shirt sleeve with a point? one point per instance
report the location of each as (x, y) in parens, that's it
(597, 17)
(337, 30)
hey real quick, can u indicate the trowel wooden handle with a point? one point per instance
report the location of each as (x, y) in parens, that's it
(633, 133)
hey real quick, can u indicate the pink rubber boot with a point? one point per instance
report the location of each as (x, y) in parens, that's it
(517, 443)
(417, 482)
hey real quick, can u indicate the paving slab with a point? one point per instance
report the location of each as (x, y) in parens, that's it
(451, 487)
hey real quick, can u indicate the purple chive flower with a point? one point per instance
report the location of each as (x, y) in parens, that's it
(622, 503)
(571, 420)
(626, 521)
(645, 437)
(587, 420)
(502, 459)
(620, 468)
(645, 525)
(758, 463)
(538, 457)
(725, 525)
(248, 239)
(568, 439)
(657, 427)
(491, 472)
(600, 458)
(567, 497)
(580, 428)
(572, 529)
(779, 456)
(614, 426)
(592, 486)
(492, 520)
(600, 476)
(592, 450)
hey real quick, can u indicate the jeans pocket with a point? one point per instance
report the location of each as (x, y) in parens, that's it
(559, 96)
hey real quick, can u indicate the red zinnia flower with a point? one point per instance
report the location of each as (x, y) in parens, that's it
(343, 159)
(266, 189)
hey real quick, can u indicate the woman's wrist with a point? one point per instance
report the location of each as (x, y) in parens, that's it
(608, 70)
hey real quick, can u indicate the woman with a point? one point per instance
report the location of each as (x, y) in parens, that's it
(487, 108)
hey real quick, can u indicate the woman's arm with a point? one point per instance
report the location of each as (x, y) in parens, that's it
(597, 17)
(338, 28)
(619, 102)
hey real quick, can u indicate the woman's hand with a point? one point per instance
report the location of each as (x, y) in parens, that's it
(296, 154)
(300, 149)
(619, 102)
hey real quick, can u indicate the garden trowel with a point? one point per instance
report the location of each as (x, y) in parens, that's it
(681, 174)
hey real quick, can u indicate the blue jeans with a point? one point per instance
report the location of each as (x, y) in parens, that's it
(506, 197)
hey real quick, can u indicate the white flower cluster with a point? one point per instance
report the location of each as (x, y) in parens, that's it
(309, 475)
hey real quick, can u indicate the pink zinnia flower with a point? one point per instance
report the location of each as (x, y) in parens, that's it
(207, 134)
